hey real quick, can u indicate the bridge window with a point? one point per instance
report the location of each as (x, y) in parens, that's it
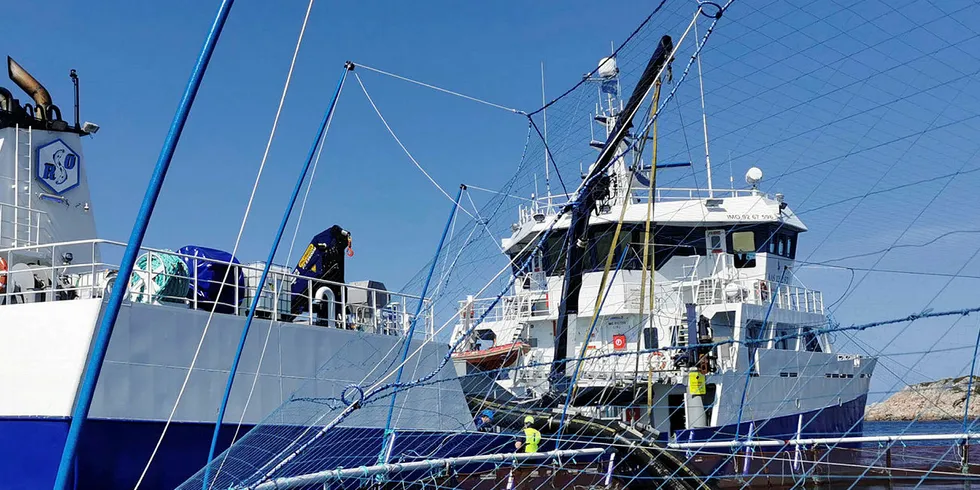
(743, 249)
(783, 243)
(554, 254)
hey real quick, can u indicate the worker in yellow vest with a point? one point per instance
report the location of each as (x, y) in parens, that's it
(532, 438)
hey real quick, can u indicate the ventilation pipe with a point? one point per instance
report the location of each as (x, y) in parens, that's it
(30, 85)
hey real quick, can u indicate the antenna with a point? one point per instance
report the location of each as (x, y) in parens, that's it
(74, 80)
(731, 173)
(704, 116)
(544, 113)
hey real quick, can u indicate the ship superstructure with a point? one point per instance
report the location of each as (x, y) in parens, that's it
(735, 344)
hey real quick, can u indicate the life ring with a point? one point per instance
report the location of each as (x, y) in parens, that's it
(3, 275)
(658, 362)
(703, 367)
(763, 291)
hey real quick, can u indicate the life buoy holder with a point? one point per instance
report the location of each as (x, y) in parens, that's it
(3, 275)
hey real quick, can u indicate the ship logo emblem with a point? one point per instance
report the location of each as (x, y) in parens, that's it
(57, 166)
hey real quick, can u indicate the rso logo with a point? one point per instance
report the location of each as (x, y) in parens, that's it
(57, 166)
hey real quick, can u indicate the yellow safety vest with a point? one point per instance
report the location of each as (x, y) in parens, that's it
(532, 437)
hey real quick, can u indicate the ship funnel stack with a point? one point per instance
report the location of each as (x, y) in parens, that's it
(44, 108)
(44, 194)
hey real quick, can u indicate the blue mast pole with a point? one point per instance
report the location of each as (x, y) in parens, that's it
(348, 67)
(382, 457)
(101, 344)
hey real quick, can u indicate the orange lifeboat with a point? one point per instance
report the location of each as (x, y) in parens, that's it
(495, 357)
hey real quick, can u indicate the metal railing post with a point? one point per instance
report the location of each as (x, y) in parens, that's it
(95, 283)
(275, 300)
(309, 299)
(238, 300)
(374, 309)
(197, 286)
(343, 307)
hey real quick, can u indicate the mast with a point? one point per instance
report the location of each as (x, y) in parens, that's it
(593, 189)
(544, 114)
(704, 118)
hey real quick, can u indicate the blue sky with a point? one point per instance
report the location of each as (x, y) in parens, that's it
(134, 58)
(855, 112)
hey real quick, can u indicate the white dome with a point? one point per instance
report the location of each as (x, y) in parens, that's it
(753, 176)
(608, 67)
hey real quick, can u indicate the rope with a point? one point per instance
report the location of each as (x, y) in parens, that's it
(385, 448)
(268, 333)
(440, 89)
(410, 157)
(238, 239)
(616, 52)
(470, 186)
(159, 277)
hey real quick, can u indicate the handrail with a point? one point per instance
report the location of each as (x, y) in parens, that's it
(761, 292)
(89, 279)
(98, 241)
(32, 224)
(552, 204)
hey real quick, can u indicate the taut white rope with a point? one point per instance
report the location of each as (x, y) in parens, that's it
(241, 231)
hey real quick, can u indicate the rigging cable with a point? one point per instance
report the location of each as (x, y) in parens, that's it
(268, 334)
(440, 89)
(389, 434)
(348, 67)
(649, 259)
(410, 157)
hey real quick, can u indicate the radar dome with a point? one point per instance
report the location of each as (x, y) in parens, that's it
(753, 176)
(608, 67)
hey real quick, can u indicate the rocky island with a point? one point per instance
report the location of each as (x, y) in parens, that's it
(943, 399)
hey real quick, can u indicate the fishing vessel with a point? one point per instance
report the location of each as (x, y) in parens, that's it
(729, 343)
(317, 332)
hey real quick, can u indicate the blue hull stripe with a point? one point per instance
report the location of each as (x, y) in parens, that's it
(832, 421)
(112, 453)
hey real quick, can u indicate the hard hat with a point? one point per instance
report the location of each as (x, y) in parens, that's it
(487, 413)
(528, 420)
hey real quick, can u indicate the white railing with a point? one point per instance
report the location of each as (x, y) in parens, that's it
(20, 226)
(354, 308)
(540, 208)
(517, 308)
(760, 292)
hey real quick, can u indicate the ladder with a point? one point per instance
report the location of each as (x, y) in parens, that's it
(23, 165)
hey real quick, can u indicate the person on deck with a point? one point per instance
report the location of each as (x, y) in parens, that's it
(532, 438)
(484, 422)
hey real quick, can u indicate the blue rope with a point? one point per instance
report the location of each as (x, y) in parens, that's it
(748, 373)
(101, 344)
(411, 329)
(265, 272)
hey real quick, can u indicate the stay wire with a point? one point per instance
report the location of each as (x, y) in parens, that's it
(277, 289)
(238, 239)
(404, 149)
(440, 89)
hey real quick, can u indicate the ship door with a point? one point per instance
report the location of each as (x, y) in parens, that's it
(715, 240)
(678, 419)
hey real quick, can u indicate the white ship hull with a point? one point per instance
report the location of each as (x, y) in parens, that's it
(44, 346)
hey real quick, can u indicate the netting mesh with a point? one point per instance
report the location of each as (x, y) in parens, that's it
(863, 115)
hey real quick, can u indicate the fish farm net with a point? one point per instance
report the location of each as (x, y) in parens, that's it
(863, 117)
